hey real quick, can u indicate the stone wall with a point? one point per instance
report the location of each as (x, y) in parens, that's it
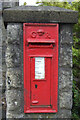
(11, 59)
(3, 4)
(14, 81)
(2, 64)
(0, 67)
(14, 76)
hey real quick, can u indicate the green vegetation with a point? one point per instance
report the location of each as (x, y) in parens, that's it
(25, 3)
(76, 52)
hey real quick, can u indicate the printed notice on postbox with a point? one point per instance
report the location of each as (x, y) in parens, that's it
(39, 68)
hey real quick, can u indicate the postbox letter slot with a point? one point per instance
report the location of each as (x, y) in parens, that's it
(51, 41)
(41, 45)
(34, 102)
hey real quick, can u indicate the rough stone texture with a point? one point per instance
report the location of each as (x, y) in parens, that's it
(3, 56)
(1, 84)
(13, 36)
(3, 4)
(65, 99)
(14, 75)
(15, 101)
(66, 57)
(39, 14)
(14, 81)
(65, 67)
(9, 3)
(65, 79)
(12, 57)
(13, 78)
(3, 68)
(66, 34)
(13, 52)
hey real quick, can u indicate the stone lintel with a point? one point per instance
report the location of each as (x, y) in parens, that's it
(40, 14)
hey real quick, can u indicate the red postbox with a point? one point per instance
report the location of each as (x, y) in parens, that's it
(40, 67)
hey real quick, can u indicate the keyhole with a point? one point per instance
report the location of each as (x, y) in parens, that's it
(35, 86)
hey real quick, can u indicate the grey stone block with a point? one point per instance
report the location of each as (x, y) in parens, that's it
(14, 32)
(63, 113)
(66, 34)
(15, 101)
(40, 14)
(65, 56)
(65, 99)
(13, 56)
(65, 79)
(11, 116)
(13, 51)
(14, 78)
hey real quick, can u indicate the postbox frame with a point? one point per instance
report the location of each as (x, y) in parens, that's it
(54, 88)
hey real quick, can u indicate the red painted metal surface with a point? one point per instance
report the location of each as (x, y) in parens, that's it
(40, 45)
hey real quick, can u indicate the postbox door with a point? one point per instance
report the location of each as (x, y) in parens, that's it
(40, 81)
(40, 68)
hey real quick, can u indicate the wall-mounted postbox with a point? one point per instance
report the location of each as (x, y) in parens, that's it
(40, 67)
